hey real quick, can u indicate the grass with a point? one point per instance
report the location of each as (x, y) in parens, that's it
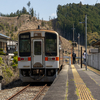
(66, 91)
(90, 92)
(77, 93)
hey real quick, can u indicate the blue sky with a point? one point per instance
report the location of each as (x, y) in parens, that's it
(44, 8)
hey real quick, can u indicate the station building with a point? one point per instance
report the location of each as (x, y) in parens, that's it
(3, 42)
(7, 44)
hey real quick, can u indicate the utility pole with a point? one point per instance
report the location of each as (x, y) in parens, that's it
(81, 57)
(86, 38)
(73, 39)
(78, 45)
(73, 32)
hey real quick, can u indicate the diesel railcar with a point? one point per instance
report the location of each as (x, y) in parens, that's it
(40, 56)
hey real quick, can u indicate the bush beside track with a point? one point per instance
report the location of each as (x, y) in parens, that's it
(10, 71)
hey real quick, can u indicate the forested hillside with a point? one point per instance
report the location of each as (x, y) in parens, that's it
(70, 14)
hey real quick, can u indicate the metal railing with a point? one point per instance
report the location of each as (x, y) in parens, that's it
(93, 60)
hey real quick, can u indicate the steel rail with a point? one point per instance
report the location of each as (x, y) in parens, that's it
(18, 92)
(39, 92)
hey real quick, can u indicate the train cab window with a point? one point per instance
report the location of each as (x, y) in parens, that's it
(37, 48)
(50, 44)
(24, 45)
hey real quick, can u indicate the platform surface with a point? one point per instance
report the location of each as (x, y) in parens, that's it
(75, 83)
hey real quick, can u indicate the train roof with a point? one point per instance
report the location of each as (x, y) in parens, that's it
(30, 30)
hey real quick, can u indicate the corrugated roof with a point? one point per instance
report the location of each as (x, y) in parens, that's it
(4, 36)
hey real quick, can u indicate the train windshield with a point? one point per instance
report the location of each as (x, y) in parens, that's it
(24, 45)
(50, 44)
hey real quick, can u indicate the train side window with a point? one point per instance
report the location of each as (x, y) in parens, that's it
(50, 44)
(24, 44)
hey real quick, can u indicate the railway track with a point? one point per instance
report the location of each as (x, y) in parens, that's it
(30, 93)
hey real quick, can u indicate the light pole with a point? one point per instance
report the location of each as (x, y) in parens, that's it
(85, 37)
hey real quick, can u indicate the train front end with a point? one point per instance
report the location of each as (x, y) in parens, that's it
(38, 55)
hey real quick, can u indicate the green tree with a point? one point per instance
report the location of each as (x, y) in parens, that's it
(16, 28)
(28, 4)
(42, 23)
(92, 37)
(75, 13)
(24, 11)
(31, 12)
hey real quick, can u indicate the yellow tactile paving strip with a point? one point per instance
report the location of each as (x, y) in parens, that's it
(84, 93)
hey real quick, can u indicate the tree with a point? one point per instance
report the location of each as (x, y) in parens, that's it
(35, 14)
(42, 23)
(28, 4)
(24, 11)
(31, 12)
(80, 4)
(16, 28)
(75, 13)
(11, 14)
(18, 12)
(92, 37)
(7, 34)
(38, 16)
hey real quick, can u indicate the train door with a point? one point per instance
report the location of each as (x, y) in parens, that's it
(37, 53)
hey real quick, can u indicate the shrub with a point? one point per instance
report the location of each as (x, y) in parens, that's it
(14, 66)
(7, 72)
(16, 28)
(1, 49)
(15, 62)
(16, 53)
(2, 53)
(1, 61)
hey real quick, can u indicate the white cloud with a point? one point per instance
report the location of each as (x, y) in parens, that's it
(53, 15)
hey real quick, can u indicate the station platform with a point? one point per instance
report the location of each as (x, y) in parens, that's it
(75, 83)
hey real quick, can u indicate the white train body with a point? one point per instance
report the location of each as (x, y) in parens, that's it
(39, 56)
